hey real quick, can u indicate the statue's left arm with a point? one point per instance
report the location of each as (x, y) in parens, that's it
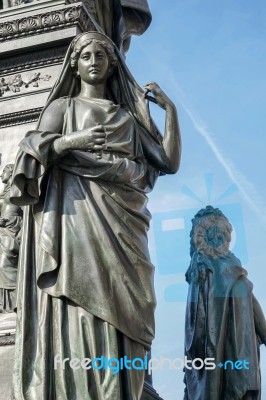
(165, 157)
(259, 319)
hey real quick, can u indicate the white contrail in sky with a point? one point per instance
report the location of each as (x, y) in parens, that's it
(249, 193)
(245, 187)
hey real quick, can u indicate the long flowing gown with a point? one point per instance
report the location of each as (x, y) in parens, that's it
(85, 287)
(9, 251)
(222, 324)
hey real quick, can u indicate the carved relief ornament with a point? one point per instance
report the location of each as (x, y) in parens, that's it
(52, 20)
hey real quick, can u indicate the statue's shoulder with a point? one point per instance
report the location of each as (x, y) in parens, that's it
(57, 107)
(53, 115)
(59, 104)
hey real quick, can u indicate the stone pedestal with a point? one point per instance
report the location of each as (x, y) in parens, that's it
(7, 341)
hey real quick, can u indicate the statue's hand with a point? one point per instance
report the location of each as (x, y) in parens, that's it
(86, 140)
(161, 98)
(3, 222)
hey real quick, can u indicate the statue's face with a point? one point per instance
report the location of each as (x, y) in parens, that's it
(93, 64)
(5, 175)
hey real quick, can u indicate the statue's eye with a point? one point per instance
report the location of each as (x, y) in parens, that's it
(85, 56)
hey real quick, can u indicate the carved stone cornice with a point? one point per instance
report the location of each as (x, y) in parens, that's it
(7, 340)
(36, 59)
(51, 20)
(19, 118)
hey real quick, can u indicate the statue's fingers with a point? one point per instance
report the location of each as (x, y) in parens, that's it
(97, 147)
(98, 128)
(99, 134)
(151, 83)
(151, 86)
(99, 140)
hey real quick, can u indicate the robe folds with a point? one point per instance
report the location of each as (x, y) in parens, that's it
(84, 258)
(221, 324)
(9, 251)
(120, 19)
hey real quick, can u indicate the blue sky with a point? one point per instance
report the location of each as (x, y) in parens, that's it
(210, 58)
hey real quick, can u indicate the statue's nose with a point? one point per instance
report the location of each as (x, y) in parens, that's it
(94, 59)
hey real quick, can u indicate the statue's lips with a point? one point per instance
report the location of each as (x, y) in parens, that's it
(94, 70)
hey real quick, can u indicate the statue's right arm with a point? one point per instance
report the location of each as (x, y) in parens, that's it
(86, 140)
(52, 121)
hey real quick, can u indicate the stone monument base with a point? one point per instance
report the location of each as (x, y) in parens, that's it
(7, 341)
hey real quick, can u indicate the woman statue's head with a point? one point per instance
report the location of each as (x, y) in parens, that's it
(93, 58)
(7, 172)
(211, 233)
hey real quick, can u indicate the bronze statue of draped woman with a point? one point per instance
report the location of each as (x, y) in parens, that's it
(85, 286)
(224, 320)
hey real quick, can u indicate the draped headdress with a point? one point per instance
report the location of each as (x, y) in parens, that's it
(121, 87)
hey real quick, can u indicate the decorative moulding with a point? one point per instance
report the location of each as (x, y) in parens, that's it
(36, 59)
(31, 7)
(7, 340)
(19, 118)
(17, 82)
(47, 21)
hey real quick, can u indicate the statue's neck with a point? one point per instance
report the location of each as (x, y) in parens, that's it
(93, 91)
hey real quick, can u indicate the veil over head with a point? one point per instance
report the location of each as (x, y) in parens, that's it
(121, 87)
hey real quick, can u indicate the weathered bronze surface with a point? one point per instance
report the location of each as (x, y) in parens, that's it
(10, 226)
(224, 321)
(118, 19)
(85, 285)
